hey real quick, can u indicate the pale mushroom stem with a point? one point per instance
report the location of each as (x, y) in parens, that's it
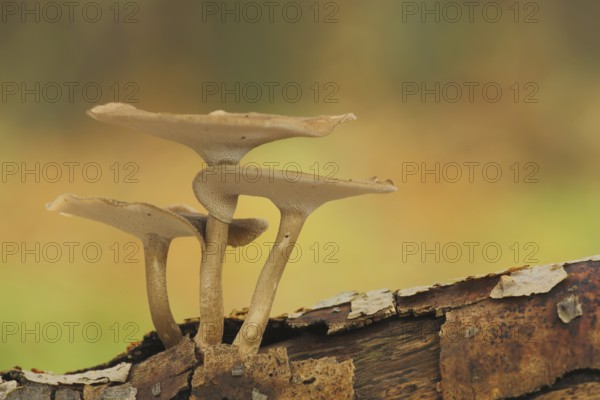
(155, 254)
(210, 331)
(250, 335)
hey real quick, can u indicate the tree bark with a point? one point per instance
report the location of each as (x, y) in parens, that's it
(527, 333)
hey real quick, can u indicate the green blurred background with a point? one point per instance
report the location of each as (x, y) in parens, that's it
(62, 313)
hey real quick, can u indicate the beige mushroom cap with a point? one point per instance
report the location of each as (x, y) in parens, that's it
(138, 219)
(218, 137)
(141, 219)
(300, 193)
(241, 231)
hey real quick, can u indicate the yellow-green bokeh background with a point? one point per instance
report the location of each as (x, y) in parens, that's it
(368, 53)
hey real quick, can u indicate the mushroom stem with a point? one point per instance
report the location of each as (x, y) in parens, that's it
(250, 335)
(210, 332)
(155, 254)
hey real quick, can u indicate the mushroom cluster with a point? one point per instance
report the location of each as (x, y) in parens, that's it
(221, 139)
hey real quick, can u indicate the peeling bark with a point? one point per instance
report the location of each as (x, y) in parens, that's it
(483, 337)
(488, 348)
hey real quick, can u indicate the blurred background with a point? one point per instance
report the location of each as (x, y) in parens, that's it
(485, 116)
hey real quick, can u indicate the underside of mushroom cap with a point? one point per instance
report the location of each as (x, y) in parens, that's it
(241, 231)
(138, 219)
(299, 192)
(218, 137)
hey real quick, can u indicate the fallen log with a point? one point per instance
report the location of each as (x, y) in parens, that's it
(526, 333)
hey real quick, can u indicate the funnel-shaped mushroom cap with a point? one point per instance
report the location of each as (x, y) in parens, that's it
(298, 193)
(218, 137)
(241, 231)
(138, 219)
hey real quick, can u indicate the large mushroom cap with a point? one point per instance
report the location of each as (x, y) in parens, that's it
(218, 137)
(299, 192)
(138, 219)
(241, 231)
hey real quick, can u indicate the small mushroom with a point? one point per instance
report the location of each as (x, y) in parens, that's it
(155, 227)
(219, 137)
(241, 231)
(296, 199)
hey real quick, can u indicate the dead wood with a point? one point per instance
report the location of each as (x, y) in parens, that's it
(527, 333)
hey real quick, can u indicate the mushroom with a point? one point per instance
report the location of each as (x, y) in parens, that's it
(155, 227)
(241, 231)
(296, 199)
(220, 138)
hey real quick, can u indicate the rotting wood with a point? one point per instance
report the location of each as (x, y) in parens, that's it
(166, 374)
(67, 394)
(347, 311)
(440, 297)
(270, 374)
(31, 391)
(394, 358)
(447, 341)
(507, 347)
(105, 392)
(589, 390)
